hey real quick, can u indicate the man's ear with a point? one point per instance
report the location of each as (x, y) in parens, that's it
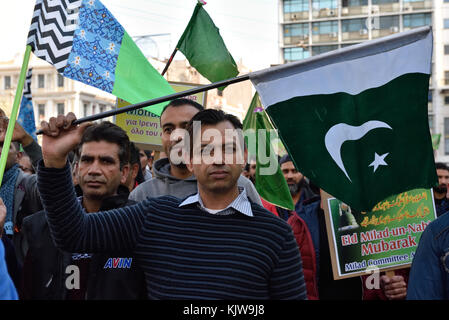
(125, 172)
(75, 172)
(135, 170)
(245, 157)
(19, 155)
(188, 161)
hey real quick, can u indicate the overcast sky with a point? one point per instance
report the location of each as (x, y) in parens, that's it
(248, 27)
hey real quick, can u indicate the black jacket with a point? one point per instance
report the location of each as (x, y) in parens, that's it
(44, 272)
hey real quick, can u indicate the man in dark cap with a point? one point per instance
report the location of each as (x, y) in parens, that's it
(297, 184)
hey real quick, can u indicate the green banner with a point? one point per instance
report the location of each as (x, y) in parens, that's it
(436, 140)
(386, 237)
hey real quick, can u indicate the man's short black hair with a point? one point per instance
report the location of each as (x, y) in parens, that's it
(211, 117)
(134, 158)
(441, 165)
(109, 132)
(181, 102)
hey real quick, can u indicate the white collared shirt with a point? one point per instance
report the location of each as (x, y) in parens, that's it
(240, 204)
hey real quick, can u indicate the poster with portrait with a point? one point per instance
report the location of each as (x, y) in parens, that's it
(385, 238)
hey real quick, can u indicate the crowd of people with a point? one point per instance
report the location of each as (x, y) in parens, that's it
(91, 216)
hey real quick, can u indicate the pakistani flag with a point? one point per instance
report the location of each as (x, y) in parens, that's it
(355, 120)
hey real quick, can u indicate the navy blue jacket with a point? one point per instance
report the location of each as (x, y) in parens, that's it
(429, 274)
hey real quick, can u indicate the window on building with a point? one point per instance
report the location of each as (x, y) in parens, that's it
(354, 3)
(446, 77)
(296, 29)
(324, 27)
(353, 25)
(446, 23)
(60, 108)
(446, 100)
(85, 109)
(324, 4)
(7, 82)
(389, 22)
(41, 81)
(296, 32)
(41, 111)
(446, 136)
(322, 49)
(383, 1)
(417, 20)
(296, 6)
(446, 49)
(60, 81)
(293, 54)
(103, 107)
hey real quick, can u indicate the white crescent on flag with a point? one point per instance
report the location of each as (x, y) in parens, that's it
(342, 132)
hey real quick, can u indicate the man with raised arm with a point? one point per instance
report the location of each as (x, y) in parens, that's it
(215, 244)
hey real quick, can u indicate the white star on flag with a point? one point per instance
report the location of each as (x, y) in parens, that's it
(378, 161)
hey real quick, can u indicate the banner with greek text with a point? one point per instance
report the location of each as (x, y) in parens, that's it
(385, 238)
(143, 127)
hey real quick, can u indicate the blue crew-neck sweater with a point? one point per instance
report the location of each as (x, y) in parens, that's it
(185, 252)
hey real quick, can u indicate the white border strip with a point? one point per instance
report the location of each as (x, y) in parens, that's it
(350, 76)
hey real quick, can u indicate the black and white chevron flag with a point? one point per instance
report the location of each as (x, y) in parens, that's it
(27, 85)
(52, 28)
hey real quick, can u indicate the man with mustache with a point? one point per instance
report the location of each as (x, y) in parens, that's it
(440, 192)
(171, 176)
(101, 170)
(297, 184)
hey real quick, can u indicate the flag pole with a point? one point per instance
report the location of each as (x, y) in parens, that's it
(159, 100)
(14, 111)
(169, 61)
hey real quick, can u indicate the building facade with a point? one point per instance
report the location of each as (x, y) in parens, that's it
(310, 27)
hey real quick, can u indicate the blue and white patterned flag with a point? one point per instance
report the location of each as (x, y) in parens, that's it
(26, 113)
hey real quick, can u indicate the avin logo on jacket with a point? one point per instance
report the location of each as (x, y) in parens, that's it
(118, 263)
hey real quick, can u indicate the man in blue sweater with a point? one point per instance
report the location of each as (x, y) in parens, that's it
(215, 244)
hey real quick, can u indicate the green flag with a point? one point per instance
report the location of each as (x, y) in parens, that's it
(436, 140)
(355, 120)
(271, 187)
(204, 48)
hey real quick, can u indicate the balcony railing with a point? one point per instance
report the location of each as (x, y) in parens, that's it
(354, 11)
(325, 13)
(296, 16)
(417, 5)
(362, 34)
(325, 37)
(296, 39)
(377, 33)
